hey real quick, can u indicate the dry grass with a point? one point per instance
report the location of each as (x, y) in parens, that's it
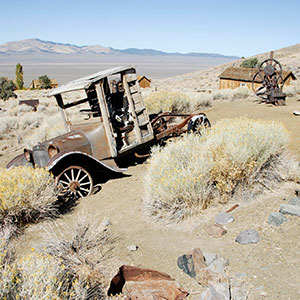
(236, 157)
(68, 265)
(26, 195)
(165, 101)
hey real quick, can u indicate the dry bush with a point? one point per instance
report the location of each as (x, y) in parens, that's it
(293, 89)
(236, 157)
(8, 272)
(164, 101)
(26, 194)
(28, 127)
(232, 94)
(68, 265)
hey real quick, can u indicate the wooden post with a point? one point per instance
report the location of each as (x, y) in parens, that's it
(67, 123)
(272, 55)
(106, 122)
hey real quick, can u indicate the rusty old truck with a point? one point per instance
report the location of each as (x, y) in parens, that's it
(112, 122)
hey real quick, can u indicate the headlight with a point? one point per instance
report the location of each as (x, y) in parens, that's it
(28, 155)
(52, 151)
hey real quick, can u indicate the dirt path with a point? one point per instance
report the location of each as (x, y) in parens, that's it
(272, 263)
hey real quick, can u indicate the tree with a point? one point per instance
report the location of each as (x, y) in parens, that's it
(45, 82)
(7, 88)
(250, 63)
(19, 77)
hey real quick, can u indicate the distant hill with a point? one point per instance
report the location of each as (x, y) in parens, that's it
(37, 46)
(207, 79)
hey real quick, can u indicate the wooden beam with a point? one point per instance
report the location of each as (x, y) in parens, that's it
(105, 116)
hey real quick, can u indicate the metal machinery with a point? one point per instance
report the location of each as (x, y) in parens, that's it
(268, 82)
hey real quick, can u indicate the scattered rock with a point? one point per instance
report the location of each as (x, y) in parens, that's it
(216, 292)
(186, 264)
(215, 230)
(132, 248)
(209, 257)
(248, 237)
(297, 192)
(218, 266)
(106, 222)
(145, 284)
(205, 277)
(295, 201)
(276, 218)
(293, 210)
(224, 218)
(199, 260)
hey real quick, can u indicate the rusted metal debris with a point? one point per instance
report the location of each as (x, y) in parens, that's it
(270, 81)
(114, 123)
(145, 284)
(34, 103)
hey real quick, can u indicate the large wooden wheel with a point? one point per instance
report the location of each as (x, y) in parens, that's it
(75, 181)
(268, 80)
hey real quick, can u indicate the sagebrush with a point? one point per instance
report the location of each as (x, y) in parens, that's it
(26, 194)
(233, 158)
(66, 266)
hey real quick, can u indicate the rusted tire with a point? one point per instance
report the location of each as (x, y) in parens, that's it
(75, 181)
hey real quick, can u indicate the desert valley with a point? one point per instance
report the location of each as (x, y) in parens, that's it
(181, 211)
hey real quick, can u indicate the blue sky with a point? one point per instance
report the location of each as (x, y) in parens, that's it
(228, 27)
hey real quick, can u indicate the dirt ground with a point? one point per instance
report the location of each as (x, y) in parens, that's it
(272, 263)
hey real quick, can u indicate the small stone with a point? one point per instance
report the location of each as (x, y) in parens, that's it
(293, 210)
(241, 275)
(199, 260)
(276, 218)
(205, 277)
(186, 264)
(209, 257)
(295, 201)
(248, 237)
(132, 248)
(216, 292)
(297, 192)
(216, 230)
(218, 266)
(224, 218)
(106, 222)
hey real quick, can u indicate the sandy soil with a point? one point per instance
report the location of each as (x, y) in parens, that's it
(272, 263)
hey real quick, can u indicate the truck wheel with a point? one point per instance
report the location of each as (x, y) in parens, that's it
(75, 181)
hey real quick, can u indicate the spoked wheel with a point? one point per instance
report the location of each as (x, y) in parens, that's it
(75, 181)
(198, 124)
(259, 85)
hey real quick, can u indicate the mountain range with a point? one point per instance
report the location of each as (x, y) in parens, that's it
(37, 46)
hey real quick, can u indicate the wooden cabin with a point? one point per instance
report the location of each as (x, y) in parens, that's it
(234, 77)
(35, 84)
(144, 82)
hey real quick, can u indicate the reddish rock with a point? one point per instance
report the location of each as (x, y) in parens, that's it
(215, 230)
(145, 284)
(199, 260)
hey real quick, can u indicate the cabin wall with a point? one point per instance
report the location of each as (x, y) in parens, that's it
(144, 83)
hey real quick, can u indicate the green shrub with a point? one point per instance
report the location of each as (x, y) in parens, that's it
(233, 157)
(19, 77)
(250, 63)
(7, 88)
(45, 82)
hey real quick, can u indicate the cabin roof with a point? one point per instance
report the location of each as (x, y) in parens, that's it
(247, 74)
(87, 81)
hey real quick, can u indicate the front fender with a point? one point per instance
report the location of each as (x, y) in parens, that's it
(19, 161)
(78, 157)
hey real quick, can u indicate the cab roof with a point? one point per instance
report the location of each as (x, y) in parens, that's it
(85, 82)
